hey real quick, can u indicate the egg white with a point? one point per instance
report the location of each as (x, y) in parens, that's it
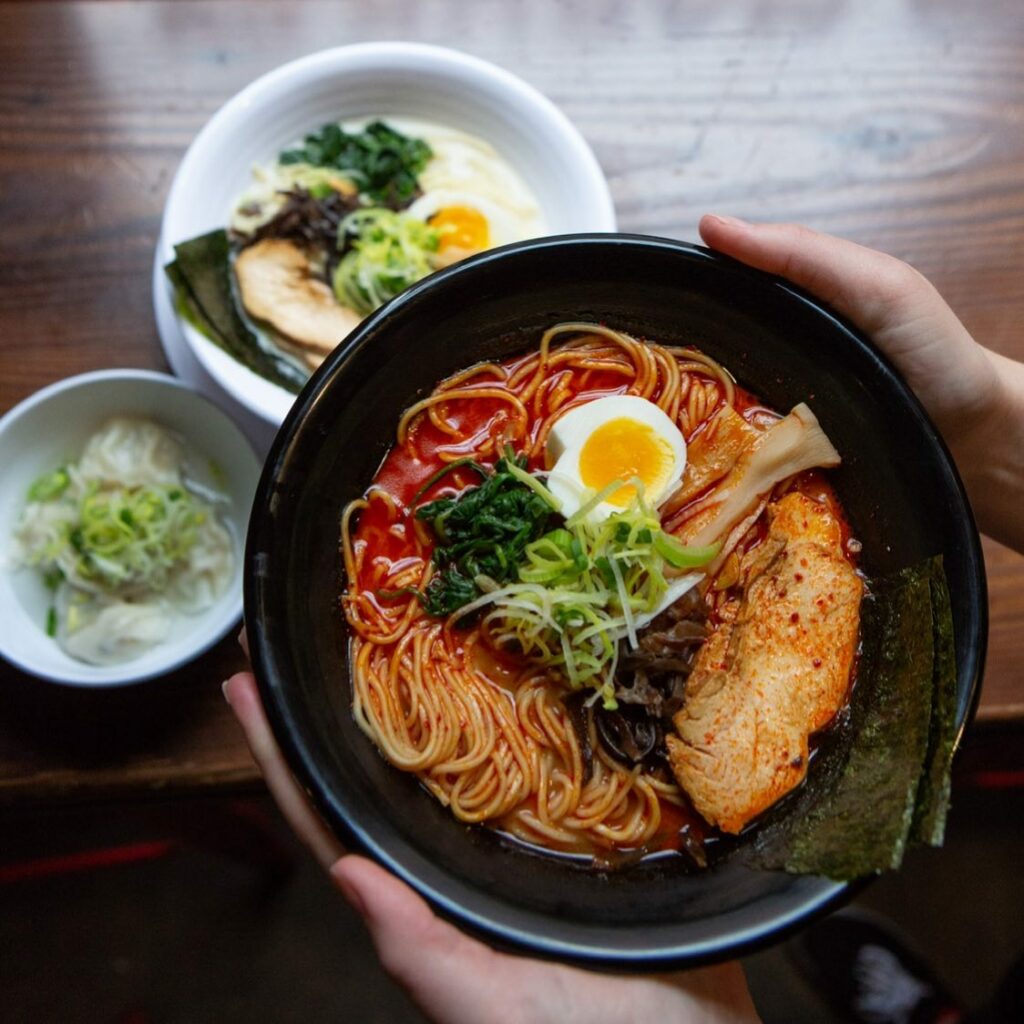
(466, 171)
(571, 432)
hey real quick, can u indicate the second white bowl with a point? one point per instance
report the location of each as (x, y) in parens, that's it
(387, 79)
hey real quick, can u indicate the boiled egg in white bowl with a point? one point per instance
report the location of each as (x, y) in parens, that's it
(620, 438)
(473, 196)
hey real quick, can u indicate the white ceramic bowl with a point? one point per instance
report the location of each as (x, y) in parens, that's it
(386, 79)
(51, 427)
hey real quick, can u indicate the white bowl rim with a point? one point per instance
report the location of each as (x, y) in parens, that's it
(369, 54)
(46, 392)
(122, 675)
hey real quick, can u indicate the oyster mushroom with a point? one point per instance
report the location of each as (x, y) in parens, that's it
(277, 285)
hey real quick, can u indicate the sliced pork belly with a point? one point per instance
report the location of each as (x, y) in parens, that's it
(774, 674)
(277, 284)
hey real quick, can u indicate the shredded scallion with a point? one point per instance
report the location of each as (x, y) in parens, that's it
(390, 252)
(586, 587)
(116, 537)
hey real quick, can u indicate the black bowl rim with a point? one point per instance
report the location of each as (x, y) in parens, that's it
(827, 894)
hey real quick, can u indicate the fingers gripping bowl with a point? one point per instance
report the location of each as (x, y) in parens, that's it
(895, 472)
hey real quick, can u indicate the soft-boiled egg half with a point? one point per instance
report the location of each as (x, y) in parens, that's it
(619, 438)
(471, 194)
(461, 227)
(468, 222)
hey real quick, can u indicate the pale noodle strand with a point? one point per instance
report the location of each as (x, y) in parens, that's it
(500, 394)
(457, 379)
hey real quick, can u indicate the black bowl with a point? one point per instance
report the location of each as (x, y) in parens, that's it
(897, 482)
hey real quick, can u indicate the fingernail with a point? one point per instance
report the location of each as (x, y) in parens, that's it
(224, 690)
(733, 222)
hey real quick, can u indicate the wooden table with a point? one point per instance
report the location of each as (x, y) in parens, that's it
(899, 125)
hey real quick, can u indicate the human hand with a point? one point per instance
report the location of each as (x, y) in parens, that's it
(975, 396)
(455, 979)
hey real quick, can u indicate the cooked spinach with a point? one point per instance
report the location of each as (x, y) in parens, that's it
(482, 531)
(383, 163)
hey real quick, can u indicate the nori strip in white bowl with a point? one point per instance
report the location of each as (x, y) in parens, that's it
(201, 276)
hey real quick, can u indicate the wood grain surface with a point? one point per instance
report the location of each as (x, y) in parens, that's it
(898, 124)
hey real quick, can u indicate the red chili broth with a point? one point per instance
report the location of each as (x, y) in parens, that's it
(406, 469)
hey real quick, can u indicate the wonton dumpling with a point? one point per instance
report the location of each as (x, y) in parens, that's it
(207, 571)
(131, 452)
(113, 633)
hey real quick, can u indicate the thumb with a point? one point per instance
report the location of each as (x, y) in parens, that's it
(886, 298)
(448, 974)
(867, 287)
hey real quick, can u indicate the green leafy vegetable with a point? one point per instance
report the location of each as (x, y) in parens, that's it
(201, 277)
(584, 588)
(449, 592)
(482, 532)
(678, 555)
(383, 163)
(565, 596)
(390, 252)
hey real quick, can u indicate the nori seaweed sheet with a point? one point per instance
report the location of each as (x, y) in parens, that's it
(201, 276)
(186, 306)
(860, 805)
(929, 824)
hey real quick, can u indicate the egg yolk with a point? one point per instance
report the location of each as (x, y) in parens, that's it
(461, 227)
(620, 450)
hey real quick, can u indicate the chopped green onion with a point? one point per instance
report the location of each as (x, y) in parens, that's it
(681, 557)
(389, 253)
(602, 495)
(49, 486)
(583, 589)
(534, 484)
(133, 536)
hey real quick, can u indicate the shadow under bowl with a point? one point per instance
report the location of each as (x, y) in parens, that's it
(897, 482)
